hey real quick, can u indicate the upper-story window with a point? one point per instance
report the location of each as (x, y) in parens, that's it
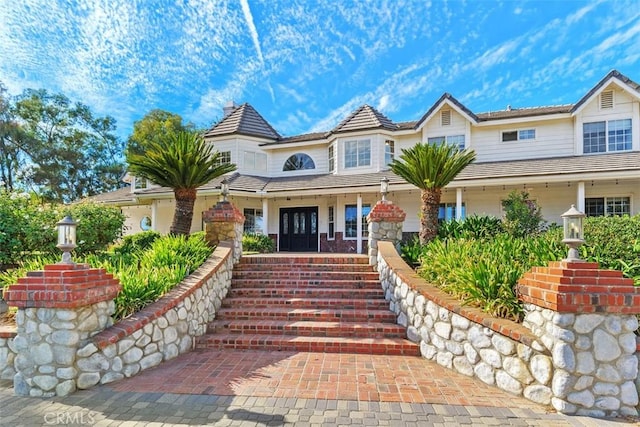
(519, 135)
(357, 153)
(457, 140)
(224, 157)
(389, 151)
(332, 158)
(299, 161)
(610, 136)
(255, 161)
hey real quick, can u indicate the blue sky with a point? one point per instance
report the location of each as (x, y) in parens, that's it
(306, 64)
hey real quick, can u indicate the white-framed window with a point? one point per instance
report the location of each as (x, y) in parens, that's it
(357, 153)
(351, 221)
(389, 151)
(518, 135)
(447, 211)
(457, 140)
(139, 183)
(607, 206)
(299, 161)
(224, 157)
(606, 136)
(332, 224)
(255, 161)
(332, 158)
(253, 220)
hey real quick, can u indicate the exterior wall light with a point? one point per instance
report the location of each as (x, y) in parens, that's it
(66, 238)
(384, 188)
(224, 189)
(573, 232)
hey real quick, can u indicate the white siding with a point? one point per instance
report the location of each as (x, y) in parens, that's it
(318, 152)
(434, 128)
(134, 215)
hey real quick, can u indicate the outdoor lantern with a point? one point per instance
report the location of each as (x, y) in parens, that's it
(573, 232)
(384, 188)
(224, 189)
(66, 238)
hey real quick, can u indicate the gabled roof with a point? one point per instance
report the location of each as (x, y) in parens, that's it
(244, 120)
(365, 117)
(613, 74)
(447, 98)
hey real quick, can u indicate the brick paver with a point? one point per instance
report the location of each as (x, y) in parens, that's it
(249, 388)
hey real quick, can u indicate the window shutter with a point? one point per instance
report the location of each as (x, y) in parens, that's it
(445, 117)
(606, 99)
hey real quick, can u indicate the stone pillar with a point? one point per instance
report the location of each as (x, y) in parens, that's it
(586, 317)
(385, 224)
(58, 309)
(224, 222)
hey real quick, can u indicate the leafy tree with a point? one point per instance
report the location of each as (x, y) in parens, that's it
(183, 162)
(13, 140)
(155, 125)
(522, 216)
(430, 167)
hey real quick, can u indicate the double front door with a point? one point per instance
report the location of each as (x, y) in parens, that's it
(299, 229)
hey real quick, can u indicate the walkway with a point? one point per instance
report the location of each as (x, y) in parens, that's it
(250, 388)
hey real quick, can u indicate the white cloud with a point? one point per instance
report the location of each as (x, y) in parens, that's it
(252, 28)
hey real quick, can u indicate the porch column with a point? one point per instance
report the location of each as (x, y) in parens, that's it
(458, 203)
(154, 215)
(359, 224)
(580, 196)
(265, 217)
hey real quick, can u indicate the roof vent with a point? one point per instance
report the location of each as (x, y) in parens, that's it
(606, 99)
(508, 107)
(229, 108)
(445, 118)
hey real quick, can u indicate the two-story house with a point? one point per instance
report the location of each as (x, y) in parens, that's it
(312, 192)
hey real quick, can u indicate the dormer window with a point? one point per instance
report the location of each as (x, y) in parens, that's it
(299, 161)
(606, 100)
(445, 118)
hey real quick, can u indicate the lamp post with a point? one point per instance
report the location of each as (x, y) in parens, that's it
(384, 188)
(573, 232)
(224, 189)
(66, 238)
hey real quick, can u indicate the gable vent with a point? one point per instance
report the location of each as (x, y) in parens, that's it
(445, 117)
(606, 99)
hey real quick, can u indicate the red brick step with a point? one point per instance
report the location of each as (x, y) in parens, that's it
(312, 328)
(317, 303)
(282, 292)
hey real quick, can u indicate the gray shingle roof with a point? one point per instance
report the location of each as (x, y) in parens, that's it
(605, 80)
(121, 195)
(244, 120)
(365, 117)
(524, 112)
(438, 103)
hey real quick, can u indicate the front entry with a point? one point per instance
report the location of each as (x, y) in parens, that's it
(299, 229)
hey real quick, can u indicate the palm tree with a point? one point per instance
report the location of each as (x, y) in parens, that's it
(430, 167)
(183, 162)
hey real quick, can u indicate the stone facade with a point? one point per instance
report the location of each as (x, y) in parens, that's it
(224, 223)
(7, 355)
(384, 225)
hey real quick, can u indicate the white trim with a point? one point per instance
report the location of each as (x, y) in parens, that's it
(359, 224)
(458, 204)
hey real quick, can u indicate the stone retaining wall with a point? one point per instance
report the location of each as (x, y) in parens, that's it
(7, 355)
(497, 351)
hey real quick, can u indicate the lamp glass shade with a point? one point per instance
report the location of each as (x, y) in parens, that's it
(572, 222)
(66, 231)
(224, 187)
(384, 185)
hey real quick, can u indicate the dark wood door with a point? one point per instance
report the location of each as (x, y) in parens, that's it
(299, 229)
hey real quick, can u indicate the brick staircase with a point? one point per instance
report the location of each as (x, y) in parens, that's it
(317, 303)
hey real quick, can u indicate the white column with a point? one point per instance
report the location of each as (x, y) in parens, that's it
(359, 224)
(265, 217)
(458, 203)
(154, 215)
(580, 197)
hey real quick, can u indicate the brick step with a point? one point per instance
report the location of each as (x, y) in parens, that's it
(300, 314)
(310, 275)
(308, 328)
(316, 303)
(365, 268)
(312, 259)
(304, 283)
(305, 292)
(387, 346)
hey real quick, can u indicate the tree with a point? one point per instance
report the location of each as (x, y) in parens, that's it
(430, 167)
(183, 162)
(58, 149)
(155, 125)
(522, 216)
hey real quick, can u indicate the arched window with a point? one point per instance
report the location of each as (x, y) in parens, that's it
(297, 162)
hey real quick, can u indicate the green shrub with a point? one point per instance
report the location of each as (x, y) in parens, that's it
(474, 227)
(412, 251)
(136, 242)
(522, 216)
(253, 242)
